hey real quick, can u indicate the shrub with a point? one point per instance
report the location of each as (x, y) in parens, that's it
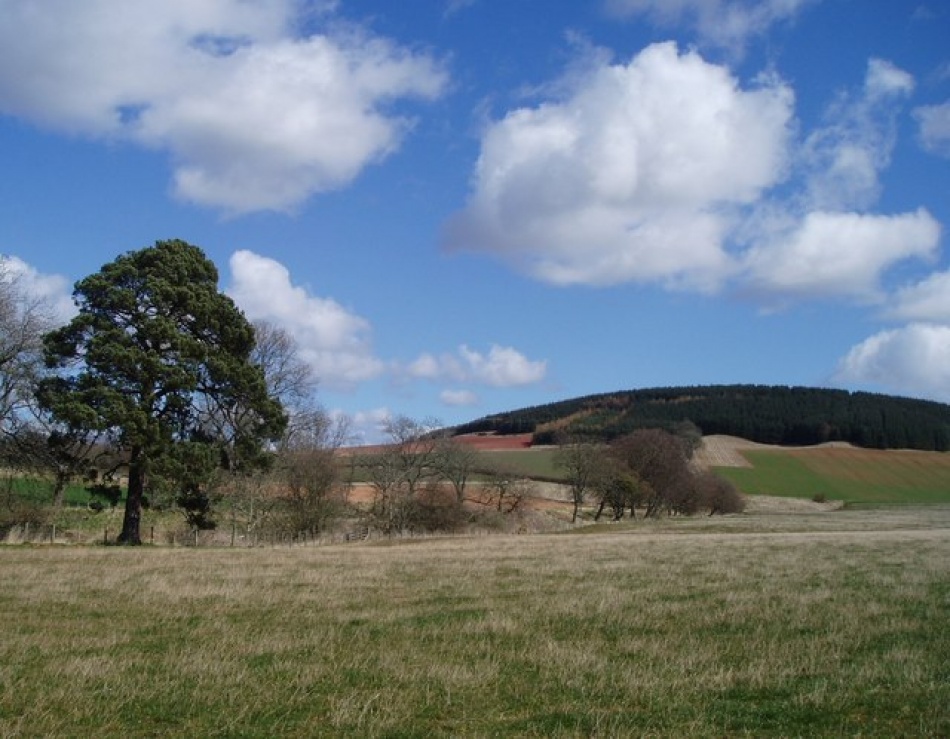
(717, 495)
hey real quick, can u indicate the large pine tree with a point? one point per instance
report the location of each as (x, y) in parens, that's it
(154, 349)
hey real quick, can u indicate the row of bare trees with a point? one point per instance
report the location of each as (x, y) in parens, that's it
(422, 478)
(649, 470)
(32, 445)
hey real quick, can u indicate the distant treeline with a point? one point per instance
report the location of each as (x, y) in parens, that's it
(767, 414)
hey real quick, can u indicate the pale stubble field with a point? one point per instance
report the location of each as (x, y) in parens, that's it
(827, 623)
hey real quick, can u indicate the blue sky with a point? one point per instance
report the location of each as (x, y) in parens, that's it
(459, 207)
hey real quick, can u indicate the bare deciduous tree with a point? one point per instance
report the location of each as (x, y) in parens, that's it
(405, 468)
(667, 480)
(34, 443)
(455, 462)
(506, 490)
(616, 487)
(304, 491)
(659, 459)
(717, 495)
(24, 319)
(309, 472)
(415, 450)
(289, 379)
(581, 463)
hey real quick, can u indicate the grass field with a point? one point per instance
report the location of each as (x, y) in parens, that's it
(39, 491)
(827, 624)
(863, 476)
(535, 463)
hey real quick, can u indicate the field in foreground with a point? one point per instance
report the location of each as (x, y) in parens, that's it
(824, 624)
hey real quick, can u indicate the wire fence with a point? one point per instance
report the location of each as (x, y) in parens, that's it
(51, 534)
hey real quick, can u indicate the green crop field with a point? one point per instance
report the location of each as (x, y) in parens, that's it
(860, 476)
(831, 624)
(536, 463)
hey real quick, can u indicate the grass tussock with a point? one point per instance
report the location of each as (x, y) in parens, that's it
(812, 630)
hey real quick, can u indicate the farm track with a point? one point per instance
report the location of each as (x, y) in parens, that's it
(719, 450)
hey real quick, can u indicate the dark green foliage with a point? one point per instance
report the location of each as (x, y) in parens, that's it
(110, 494)
(542, 438)
(768, 414)
(185, 475)
(156, 357)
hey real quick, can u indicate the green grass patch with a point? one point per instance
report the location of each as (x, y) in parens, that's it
(35, 490)
(534, 463)
(869, 477)
(779, 473)
(838, 629)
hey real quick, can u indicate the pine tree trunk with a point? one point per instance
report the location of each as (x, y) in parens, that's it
(131, 522)
(59, 491)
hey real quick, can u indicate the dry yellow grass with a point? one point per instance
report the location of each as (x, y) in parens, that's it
(824, 624)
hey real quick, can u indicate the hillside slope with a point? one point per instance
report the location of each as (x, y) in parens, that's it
(830, 472)
(767, 414)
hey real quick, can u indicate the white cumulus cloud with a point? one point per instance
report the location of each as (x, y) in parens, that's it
(458, 397)
(724, 23)
(884, 79)
(502, 366)
(835, 254)
(666, 170)
(365, 427)
(333, 340)
(633, 176)
(256, 112)
(927, 301)
(51, 292)
(934, 121)
(845, 157)
(912, 360)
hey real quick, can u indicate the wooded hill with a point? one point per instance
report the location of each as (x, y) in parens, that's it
(767, 414)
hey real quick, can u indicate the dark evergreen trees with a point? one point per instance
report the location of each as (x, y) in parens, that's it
(768, 414)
